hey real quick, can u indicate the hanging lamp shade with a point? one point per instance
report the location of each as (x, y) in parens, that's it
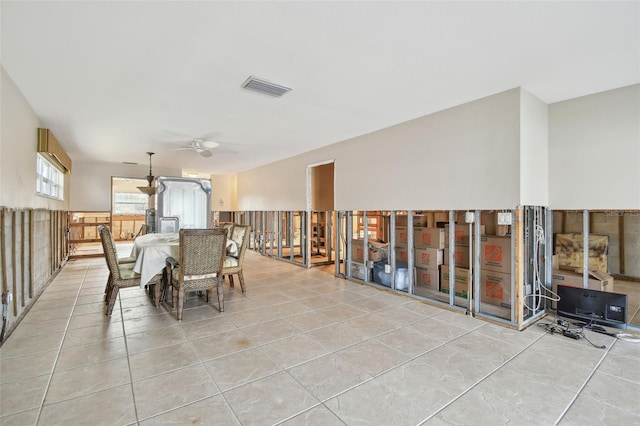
(149, 190)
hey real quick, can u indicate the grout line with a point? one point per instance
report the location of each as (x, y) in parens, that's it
(126, 348)
(66, 329)
(575, 397)
(480, 380)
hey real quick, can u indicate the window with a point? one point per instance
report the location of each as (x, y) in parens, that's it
(125, 203)
(49, 180)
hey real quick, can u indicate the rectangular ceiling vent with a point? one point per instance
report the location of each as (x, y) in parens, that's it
(266, 87)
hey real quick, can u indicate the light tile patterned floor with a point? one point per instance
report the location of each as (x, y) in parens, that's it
(300, 348)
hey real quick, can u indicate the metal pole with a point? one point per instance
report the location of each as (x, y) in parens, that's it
(452, 258)
(392, 245)
(476, 259)
(585, 249)
(410, 251)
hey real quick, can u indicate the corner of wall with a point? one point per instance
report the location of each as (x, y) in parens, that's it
(534, 150)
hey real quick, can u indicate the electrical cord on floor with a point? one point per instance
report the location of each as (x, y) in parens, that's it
(567, 329)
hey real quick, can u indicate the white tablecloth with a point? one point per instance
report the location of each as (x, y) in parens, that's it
(151, 251)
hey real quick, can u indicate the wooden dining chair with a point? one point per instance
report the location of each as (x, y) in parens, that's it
(233, 263)
(120, 275)
(126, 265)
(228, 226)
(199, 266)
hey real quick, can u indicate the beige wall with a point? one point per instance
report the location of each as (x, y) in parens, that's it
(91, 182)
(534, 151)
(18, 139)
(594, 151)
(465, 157)
(223, 193)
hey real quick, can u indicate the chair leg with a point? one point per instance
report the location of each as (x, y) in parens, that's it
(180, 303)
(107, 290)
(174, 297)
(241, 278)
(156, 293)
(230, 280)
(112, 299)
(221, 296)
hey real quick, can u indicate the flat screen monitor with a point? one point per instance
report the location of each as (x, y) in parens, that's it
(596, 306)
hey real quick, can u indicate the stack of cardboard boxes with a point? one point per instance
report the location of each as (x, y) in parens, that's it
(377, 252)
(427, 252)
(428, 256)
(431, 257)
(462, 256)
(495, 266)
(402, 238)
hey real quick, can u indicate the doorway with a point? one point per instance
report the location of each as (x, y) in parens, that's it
(320, 205)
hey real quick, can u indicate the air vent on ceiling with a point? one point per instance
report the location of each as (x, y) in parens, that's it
(266, 87)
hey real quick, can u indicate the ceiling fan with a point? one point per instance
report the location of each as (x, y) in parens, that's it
(201, 146)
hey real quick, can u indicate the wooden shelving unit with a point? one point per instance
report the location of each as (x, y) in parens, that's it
(318, 233)
(374, 225)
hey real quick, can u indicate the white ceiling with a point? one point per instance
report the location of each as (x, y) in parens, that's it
(116, 79)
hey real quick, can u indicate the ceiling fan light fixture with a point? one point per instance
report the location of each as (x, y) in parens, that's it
(265, 87)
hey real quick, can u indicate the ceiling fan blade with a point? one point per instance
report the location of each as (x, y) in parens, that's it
(205, 153)
(209, 144)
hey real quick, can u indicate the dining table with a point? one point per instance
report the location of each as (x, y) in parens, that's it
(151, 252)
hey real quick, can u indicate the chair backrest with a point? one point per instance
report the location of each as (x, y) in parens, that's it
(110, 253)
(142, 230)
(228, 226)
(202, 251)
(240, 235)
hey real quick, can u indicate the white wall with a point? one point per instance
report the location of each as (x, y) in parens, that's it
(466, 157)
(594, 151)
(534, 151)
(18, 142)
(223, 192)
(91, 182)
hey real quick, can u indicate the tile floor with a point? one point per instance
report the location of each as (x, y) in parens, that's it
(300, 348)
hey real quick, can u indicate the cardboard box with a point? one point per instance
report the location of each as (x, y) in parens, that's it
(569, 248)
(377, 251)
(495, 288)
(460, 254)
(495, 254)
(427, 279)
(402, 254)
(418, 220)
(427, 257)
(401, 236)
(462, 278)
(428, 237)
(461, 234)
(360, 271)
(597, 281)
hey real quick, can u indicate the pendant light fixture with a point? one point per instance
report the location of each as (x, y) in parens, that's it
(149, 190)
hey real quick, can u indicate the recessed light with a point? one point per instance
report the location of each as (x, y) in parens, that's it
(130, 162)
